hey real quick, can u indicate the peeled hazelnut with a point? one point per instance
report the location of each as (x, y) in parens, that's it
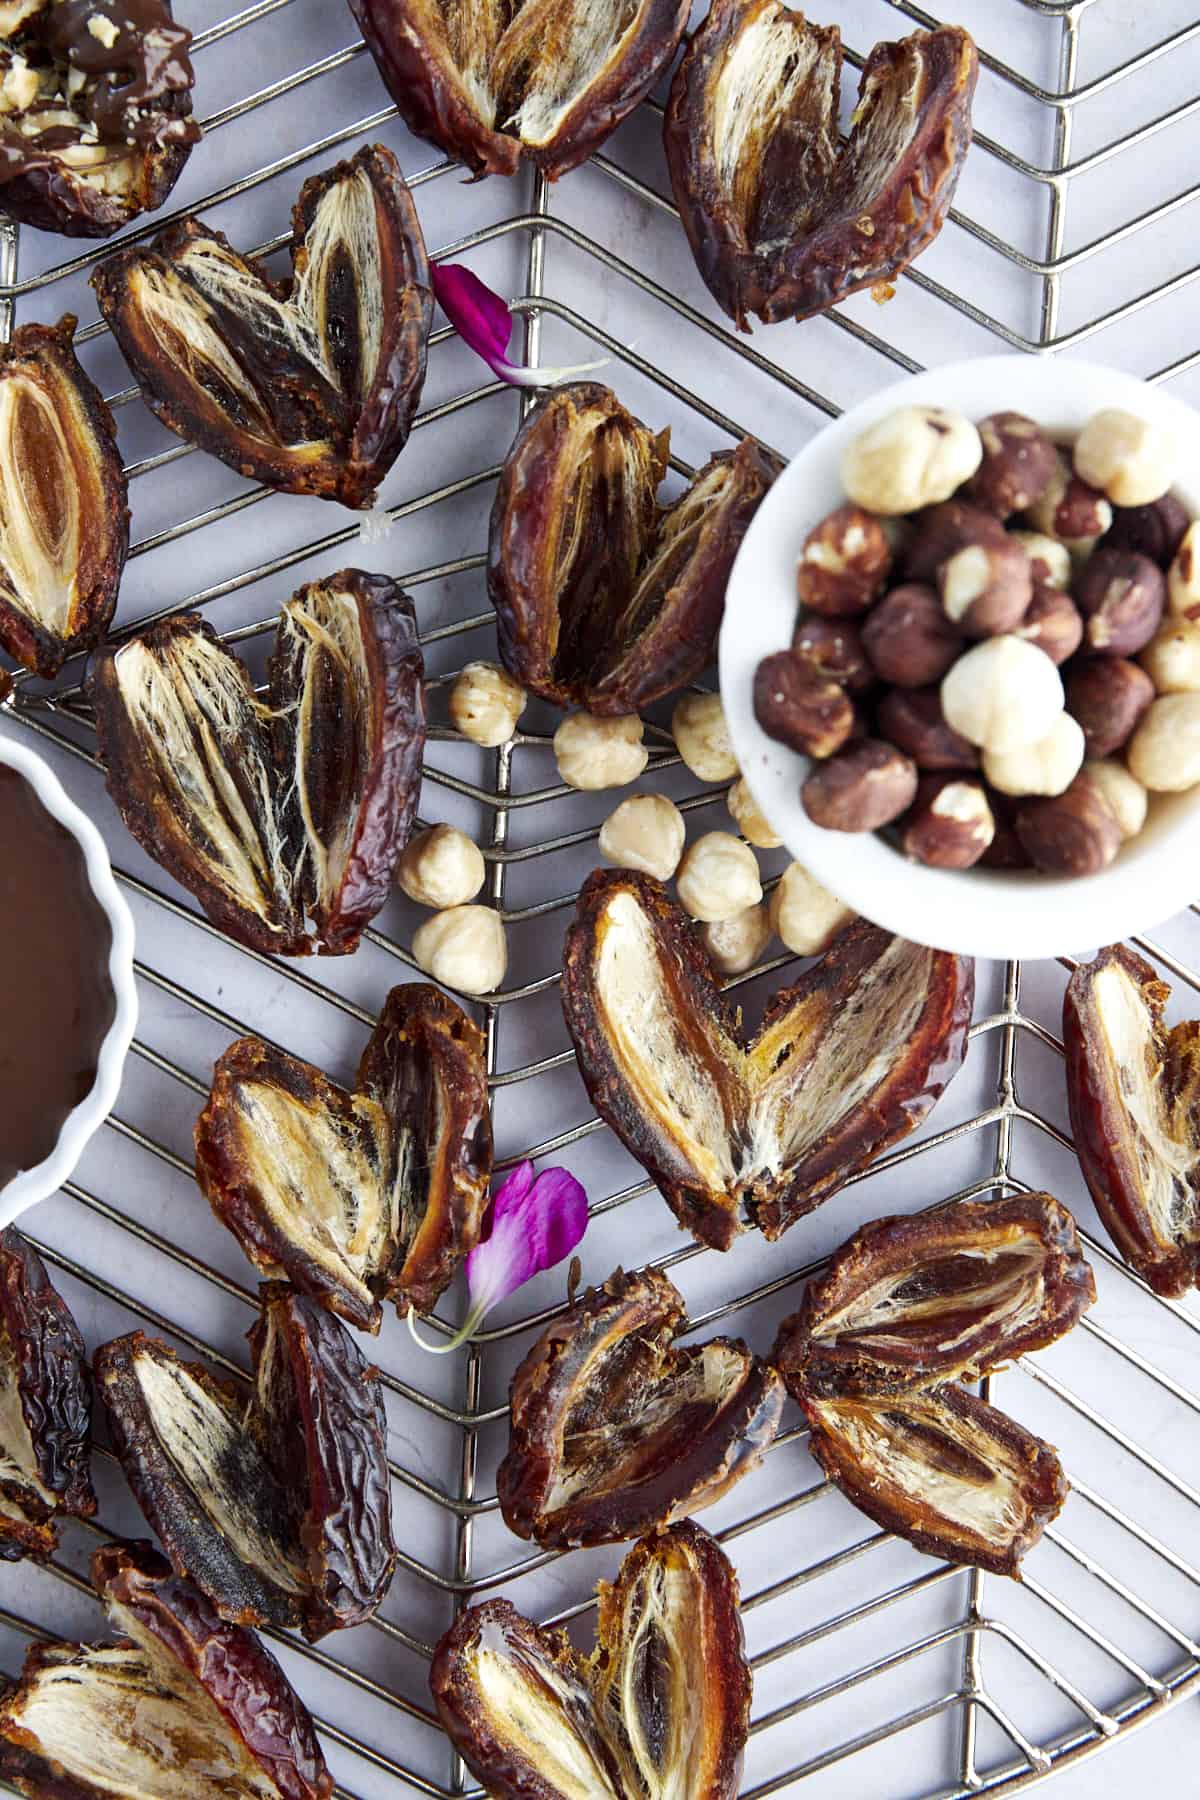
(1049, 560)
(986, 588)
(1108, 696)
(908, 637)
(1018, 464)
(845, 562)
(645, 832)
(950, 824)
(861, 788)
(1122, 597)
(596, 753)
(1070, 510)
(1172, 659)
(913, 457)
(799, 707)
(912, 719)
(441, 867)
(1003, 693)
(1075, 833)
(1124, 794)
(1155, 530)
(754, 827)
(702, 737)
(1131, 460)
(718, 877)
(805, 916)
(485, 703)
(1164, 751)
(1053, 622)
(464, 948)
(1183, 577)
(737, 943)
(1047, 767)
(834, 647)
(942, 530)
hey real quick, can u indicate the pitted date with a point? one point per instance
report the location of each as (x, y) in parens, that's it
(181, 1703)
(615, 1431)
(783, 223)
(847, 1061)
(309, 385)
(603, 598)
(661, 1707)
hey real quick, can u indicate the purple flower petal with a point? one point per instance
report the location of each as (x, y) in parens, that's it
(483, 321)
(535, 1224)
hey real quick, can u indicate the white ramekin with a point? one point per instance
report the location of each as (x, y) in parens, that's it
(32, 1185)
(980, 912)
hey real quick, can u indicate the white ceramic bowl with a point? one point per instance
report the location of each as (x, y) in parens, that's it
(980, 912)
(32, 1185)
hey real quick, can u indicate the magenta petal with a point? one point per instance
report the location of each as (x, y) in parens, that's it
(535, 1224)
(476, 311)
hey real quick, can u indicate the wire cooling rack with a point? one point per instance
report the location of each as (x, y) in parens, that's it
(876, 1670)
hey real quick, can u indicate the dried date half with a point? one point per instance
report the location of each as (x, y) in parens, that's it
(1134, 1091)
(548, 80)
(616, 1431)
(660, 1708)
(603, 598)
(782, 222)
(309, 385)
(64, 515)
(180, 1704)
(847, 1061)
(356, 1197)
(284, 817)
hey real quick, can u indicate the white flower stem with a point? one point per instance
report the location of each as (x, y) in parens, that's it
(466, 1330)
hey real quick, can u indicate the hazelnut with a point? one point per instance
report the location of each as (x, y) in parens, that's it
(1122, 597)
(1131, 460)
(845, 562)
(1049, 560)
(645, 832)
(950, 824)
(912, 719)
(1052, 621)
(1172, 659)
(1047, 767)
(1070, 510)
(1164, 751)
(799, 707)
(1108, 696)
(1018, 464)
(596, 753)
(464, 948)
(1074, 833)
(805, 916)
(1155, 530)
(1126, 797)
(735, 944)
(485, 703)
(1005, 850)
(986, 588)
(942, 530)
(754, 827)
(1183, 577)
(702, 737)
(861, 788)
(441, 867)
(718, 877)
(911, 458)
(834, 647)
(908, 637)
(1003, 693)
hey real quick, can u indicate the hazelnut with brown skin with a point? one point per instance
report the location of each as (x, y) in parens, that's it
(908, 638)
(950, 824)
(1052, 621)
(1183, 577)
(1005, 850)
(1122, 597)
(1155, 530)
(1107, 696)
(844, 564)
(941, 530)
(1019, 462)
(835, 648)
(912, 719)
(1073, 833)
(799, 707)
(986, 588)
(1070, 510)
(863, 788)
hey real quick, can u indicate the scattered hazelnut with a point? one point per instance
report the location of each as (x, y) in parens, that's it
(805, 916)
(485, 703)
(908, 637)
(911, 458)
(950, 824)
(645, 832)
(464, 948)
(754, 827)
(1070, 510)
(912, 719)
(1164, 751)
(1155, 530)
(799, 707)
(845, 562)
(1126, 797)
(834, 647)
(861, 788)
(942, 530)
(718, 877)
(441, 867)
(735, 944)
(1049, 559)
(986, 588)
(596, 753)
(1052, 621)
(1172, 659)
(1122, 597)
(1047, 767)
(1075, 833)
(1131, 460)
(1018, 464)
(1183, 577)
(1003, 693)
(1108, 696)
(702, 737)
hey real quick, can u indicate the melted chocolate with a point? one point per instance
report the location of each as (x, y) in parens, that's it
(56, 999)
(133, 80)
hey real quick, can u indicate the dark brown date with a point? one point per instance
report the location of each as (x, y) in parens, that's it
(661, 1707)
(847, 1061)
(309, 385)
(603, 598)
(782, 222)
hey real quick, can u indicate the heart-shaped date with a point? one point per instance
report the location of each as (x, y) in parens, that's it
(615, 1431)
(846, 1061)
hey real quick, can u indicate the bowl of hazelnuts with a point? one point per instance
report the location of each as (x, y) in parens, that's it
(961, 656)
